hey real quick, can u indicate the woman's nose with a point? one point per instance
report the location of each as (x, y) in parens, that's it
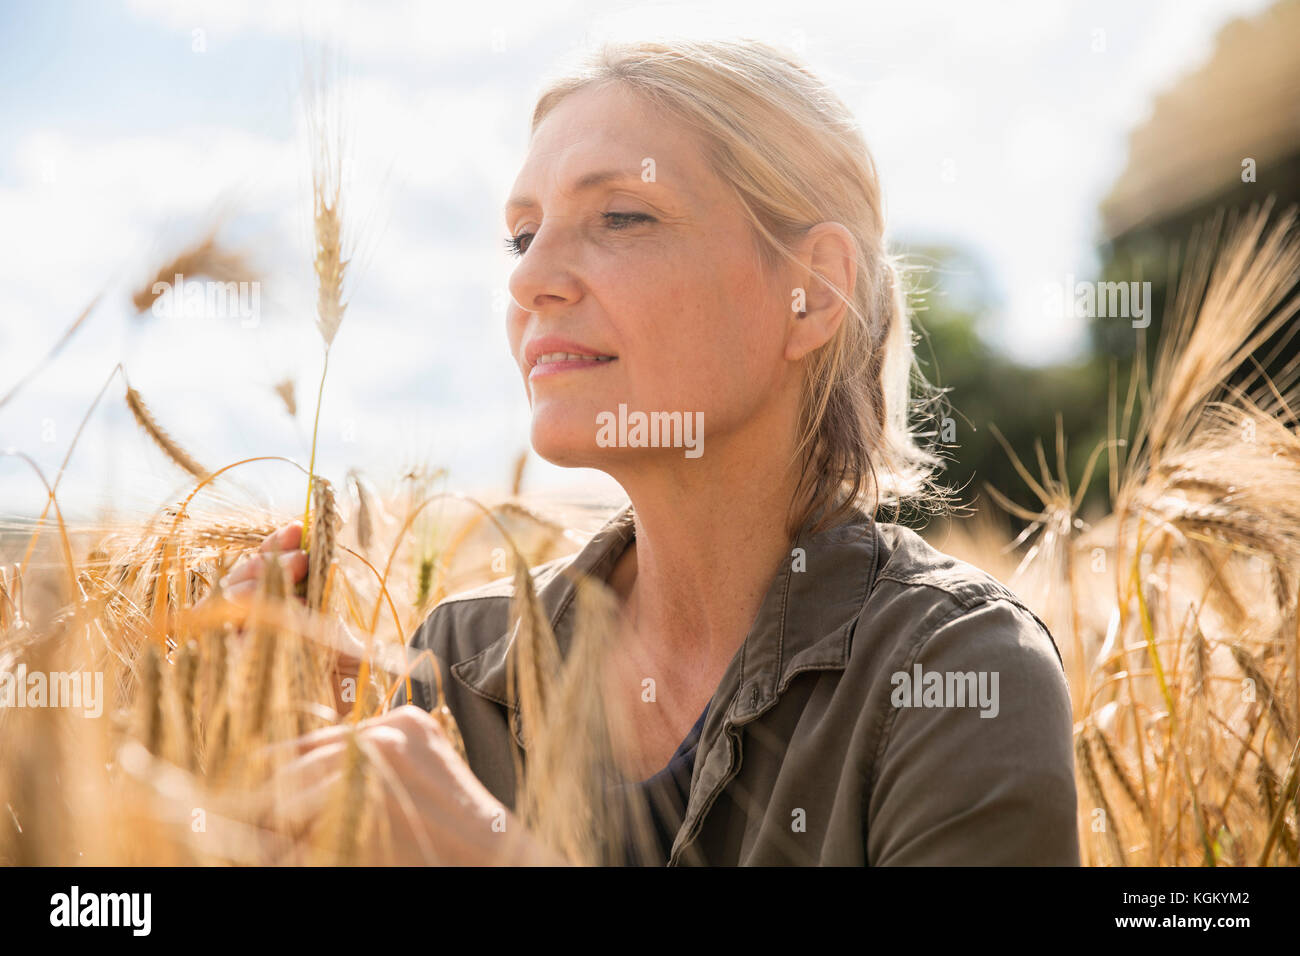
(544, 277)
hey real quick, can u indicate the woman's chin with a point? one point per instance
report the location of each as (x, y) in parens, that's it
(566, 448)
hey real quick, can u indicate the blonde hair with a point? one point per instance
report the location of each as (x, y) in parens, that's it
(794, 156)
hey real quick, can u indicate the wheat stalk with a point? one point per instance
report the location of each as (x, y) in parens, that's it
(8, 609)
(163, 440)
(259, 654)
(517, 479)
(329, 262)
(349, 805)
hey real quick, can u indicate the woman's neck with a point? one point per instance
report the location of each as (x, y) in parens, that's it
(703, 557)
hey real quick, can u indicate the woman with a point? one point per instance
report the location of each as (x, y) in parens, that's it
(700, 240)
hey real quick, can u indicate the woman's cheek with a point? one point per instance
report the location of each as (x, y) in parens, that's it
(699, 372)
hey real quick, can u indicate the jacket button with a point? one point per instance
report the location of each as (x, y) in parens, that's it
(753, 695)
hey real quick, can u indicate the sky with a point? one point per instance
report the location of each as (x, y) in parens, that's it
(127, 129)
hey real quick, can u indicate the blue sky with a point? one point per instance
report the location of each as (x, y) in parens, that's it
(125, 127)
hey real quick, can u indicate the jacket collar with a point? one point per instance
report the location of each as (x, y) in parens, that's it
(805, 621)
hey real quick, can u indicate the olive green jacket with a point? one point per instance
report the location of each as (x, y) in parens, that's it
(891, 706)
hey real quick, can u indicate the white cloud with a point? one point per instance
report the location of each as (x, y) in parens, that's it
(439, 97)
(377, 32)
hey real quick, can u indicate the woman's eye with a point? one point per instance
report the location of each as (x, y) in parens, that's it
(518, 245)
(515, 244)
(618, 220)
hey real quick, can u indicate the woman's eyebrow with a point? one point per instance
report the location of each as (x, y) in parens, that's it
(585, 183)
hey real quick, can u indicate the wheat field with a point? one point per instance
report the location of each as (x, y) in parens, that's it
(1176, 613)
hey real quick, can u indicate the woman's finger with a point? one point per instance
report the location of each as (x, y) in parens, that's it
(295, 776)
(240, 593)
(249, 570)
(304, 772)
(242, 571)
(295, 810)
(317, 738)
(284, 538)
(337, 733)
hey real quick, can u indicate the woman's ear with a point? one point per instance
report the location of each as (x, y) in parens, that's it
(828, 258)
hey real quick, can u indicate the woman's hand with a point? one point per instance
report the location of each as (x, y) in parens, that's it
(240, 586)
(436, 811)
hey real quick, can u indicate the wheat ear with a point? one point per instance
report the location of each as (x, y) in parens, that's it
(151, 698)
(163, 440)
(1089, 769)
(325, 522)
(185, 674)
(203, 258)
(365, 524)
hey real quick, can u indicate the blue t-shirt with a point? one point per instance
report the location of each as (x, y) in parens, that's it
(665, 795)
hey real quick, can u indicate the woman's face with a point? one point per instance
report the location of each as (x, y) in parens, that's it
(653, 267)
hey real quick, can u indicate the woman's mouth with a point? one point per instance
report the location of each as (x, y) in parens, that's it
(553, 363)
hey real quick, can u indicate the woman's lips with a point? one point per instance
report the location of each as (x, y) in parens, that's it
(554, 364)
